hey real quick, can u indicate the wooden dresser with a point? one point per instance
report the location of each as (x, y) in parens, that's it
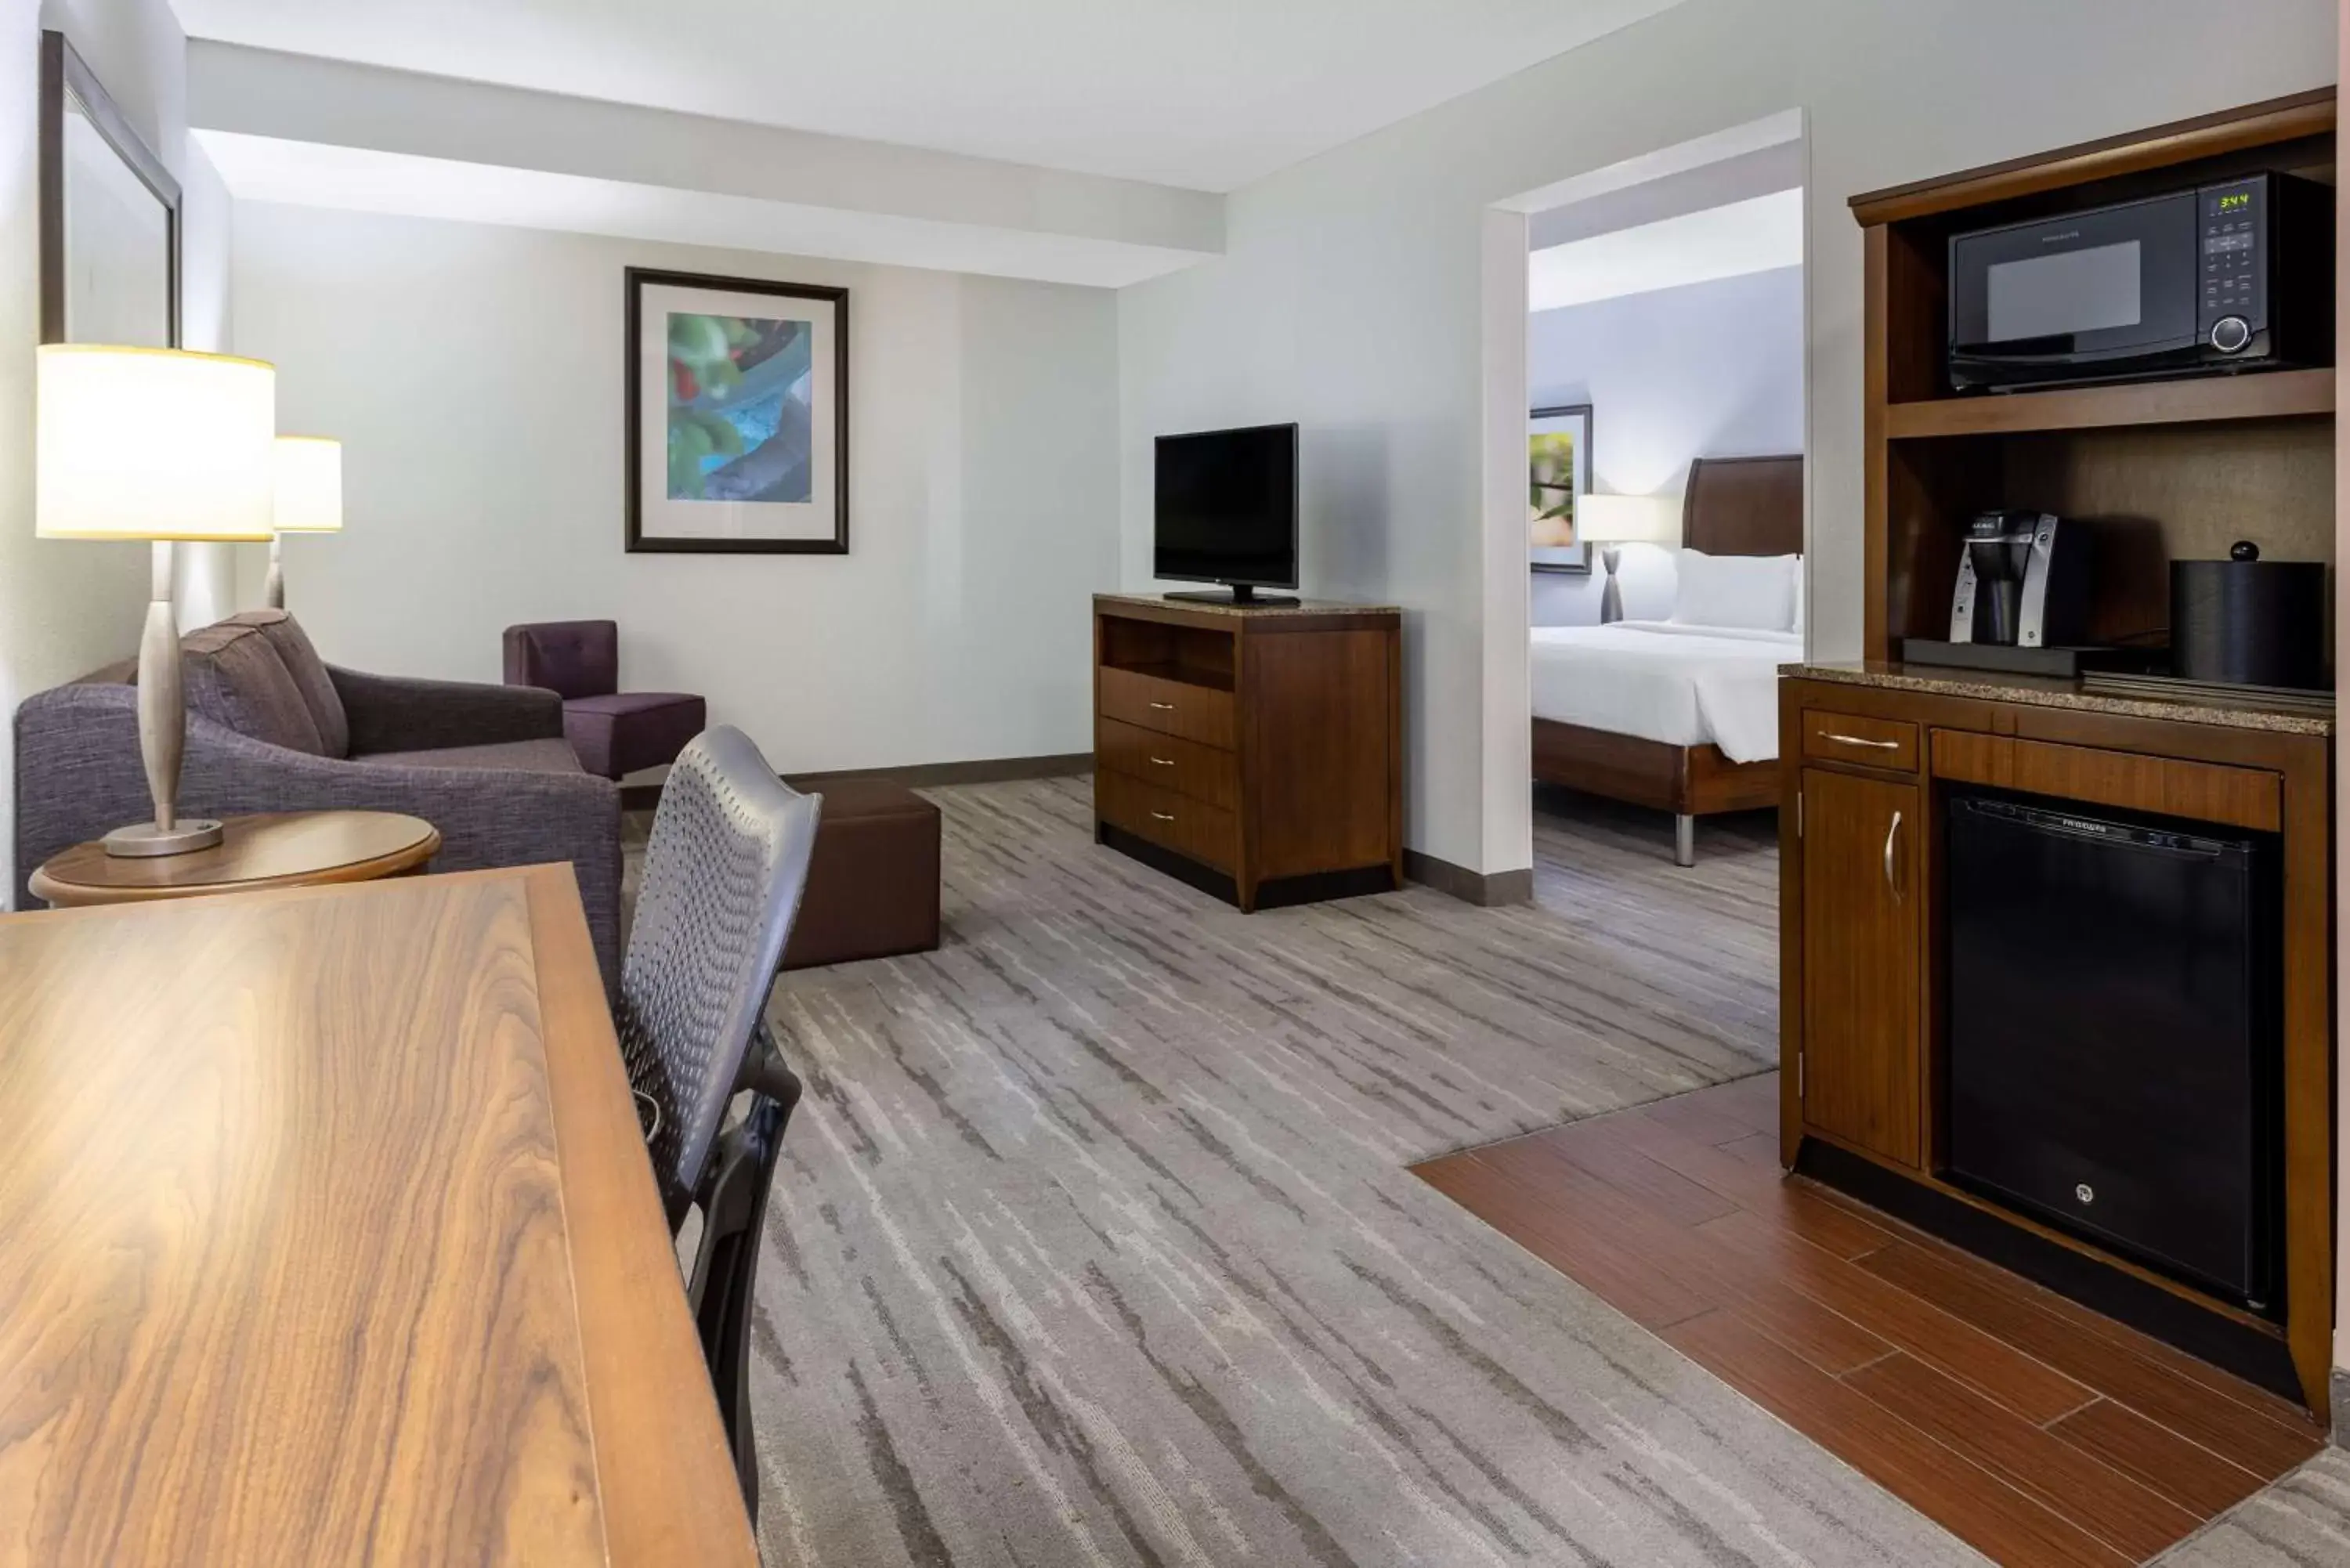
(1254, 751)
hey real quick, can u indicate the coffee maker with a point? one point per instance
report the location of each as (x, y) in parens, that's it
(2023, 582)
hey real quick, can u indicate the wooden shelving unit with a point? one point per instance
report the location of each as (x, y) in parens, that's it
(2154, 472)
(2281, 394)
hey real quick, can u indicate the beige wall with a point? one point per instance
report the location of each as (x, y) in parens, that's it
(1351, 295)
(473, 372)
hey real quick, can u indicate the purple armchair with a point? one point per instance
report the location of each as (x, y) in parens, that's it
(615, 732)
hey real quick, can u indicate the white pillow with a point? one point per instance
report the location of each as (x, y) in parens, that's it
(1752, 593)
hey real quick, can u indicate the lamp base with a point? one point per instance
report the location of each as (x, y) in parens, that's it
(145, 840)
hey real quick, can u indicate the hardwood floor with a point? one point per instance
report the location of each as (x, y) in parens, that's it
(2031, 1427)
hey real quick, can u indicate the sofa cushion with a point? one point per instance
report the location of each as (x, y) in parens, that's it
(232, 675)
(309, 672)
(547, 755)
(616, 734)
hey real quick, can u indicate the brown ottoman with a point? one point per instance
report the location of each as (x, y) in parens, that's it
(873, 879)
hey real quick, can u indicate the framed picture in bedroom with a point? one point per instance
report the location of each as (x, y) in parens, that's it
(1558, 463)
(737, 406)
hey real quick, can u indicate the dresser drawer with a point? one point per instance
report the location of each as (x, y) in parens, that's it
(1202, 772)
(1853, 738)
(1198, 713)
(1189, 828)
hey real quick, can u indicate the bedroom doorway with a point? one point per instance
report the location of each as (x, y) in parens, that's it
(1664, 342)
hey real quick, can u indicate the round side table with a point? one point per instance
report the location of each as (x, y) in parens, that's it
(278, 849)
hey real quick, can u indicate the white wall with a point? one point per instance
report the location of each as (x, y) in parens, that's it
(474, 374)
(68, 607)
(1710, 369)
(1350, 297)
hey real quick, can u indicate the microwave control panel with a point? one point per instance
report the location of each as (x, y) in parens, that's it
(2232, 306)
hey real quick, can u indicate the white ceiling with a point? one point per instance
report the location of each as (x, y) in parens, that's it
(1754, 235)
(1208, 94)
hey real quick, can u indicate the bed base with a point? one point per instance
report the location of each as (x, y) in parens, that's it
(1689, 782)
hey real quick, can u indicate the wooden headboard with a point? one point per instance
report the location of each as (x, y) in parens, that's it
(1744, 506)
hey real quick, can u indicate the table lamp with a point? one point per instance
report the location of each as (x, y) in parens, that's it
(163, 445)
(1612, 522)
(310, 499)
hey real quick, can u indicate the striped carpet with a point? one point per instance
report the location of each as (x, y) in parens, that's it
(1094, 1245)
(2301, 1522)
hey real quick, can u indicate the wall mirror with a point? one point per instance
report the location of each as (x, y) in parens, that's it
(109, 216)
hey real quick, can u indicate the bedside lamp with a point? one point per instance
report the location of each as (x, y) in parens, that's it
(309, 498)
(1612, 522)
(163, 445)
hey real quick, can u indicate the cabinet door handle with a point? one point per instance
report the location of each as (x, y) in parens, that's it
(1164, 762)
(1164, 816)
(1891, 835)
(1164, 707)
(1844, 740)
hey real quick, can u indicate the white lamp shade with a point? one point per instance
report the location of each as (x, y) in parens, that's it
(153, 443)
(309, 485)
(1628, 519)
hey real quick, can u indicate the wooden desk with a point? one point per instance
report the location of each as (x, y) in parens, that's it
(327, 1235)
(276, 849)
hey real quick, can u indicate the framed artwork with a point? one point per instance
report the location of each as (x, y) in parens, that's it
(109, 216)
(737, 415)
(1558, 461)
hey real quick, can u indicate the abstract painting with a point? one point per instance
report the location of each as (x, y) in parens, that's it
(1558, 471)
(738, 415)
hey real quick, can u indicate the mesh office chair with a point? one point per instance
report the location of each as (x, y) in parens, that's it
(723, 873)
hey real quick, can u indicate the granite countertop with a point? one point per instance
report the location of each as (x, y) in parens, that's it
(1993, 686)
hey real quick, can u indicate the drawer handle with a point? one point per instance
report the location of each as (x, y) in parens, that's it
(1164, 816)
(1164, 707)
(1891, 835)
(1164, 762)
(1857, 741)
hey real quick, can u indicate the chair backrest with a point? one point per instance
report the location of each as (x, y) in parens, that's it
(722, 877)
(568, 657)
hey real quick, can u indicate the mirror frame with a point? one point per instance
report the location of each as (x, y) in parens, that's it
(64, 72)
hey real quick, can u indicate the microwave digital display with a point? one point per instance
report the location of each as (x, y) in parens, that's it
(2068, 292)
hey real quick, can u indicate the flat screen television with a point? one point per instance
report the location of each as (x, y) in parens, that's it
(1226, 509)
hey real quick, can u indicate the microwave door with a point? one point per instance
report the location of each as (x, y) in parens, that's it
(2115, 284)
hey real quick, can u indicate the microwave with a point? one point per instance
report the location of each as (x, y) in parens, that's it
(2223, 278)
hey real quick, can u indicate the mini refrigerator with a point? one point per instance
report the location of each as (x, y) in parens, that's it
(2114, 1052)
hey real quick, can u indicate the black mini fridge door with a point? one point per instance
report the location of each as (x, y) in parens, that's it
(2114, 1052)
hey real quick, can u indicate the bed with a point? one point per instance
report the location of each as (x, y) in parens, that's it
(1672, 717)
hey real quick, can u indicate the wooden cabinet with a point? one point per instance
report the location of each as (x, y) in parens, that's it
(1864, 956)
(1254, 751)
(1858, 1076)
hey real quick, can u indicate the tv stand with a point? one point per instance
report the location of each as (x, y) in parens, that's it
(1252, 750)
(1241, 594)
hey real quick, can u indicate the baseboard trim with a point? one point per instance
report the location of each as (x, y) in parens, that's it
(1486, 889)
(913, 775)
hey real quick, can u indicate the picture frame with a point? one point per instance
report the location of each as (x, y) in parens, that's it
(109, 215)
(1558, 473)
(737, 401)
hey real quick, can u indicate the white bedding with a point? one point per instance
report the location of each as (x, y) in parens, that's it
(1681, 685)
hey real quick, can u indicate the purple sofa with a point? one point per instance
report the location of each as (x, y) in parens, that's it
(271, 727)
(615, 732)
